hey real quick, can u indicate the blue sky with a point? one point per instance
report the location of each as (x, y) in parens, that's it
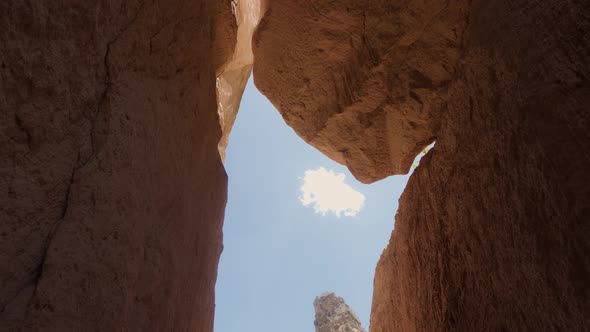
(278, 254)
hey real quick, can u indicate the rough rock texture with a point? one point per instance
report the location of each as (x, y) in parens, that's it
(332, 314)
(234, 72)
(112, 187)
(110, 217)
(362, 81)
(491, 232)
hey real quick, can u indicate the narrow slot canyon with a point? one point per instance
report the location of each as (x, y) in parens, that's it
(116, 123)
(297, 224)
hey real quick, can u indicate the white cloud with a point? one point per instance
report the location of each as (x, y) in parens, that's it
(327, 192)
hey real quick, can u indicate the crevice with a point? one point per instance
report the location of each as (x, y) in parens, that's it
(101, 102)
(425, 151)
(68, 191)
(107, 82)
(38, 273)
(21, 126)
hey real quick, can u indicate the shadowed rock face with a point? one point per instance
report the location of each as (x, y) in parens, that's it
(491, 230)
(112, 187)
(332, 314)
(111, 213)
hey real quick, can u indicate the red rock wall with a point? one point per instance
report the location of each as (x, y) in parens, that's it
(362, 81)
(491, 232)
(112, 192)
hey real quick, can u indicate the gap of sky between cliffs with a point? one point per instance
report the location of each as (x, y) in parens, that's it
(297, 224)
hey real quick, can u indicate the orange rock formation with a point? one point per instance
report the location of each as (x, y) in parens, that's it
(491, 232)
(114, 190)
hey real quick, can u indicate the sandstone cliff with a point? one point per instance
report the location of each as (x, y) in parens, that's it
(113, 191)
(234, 70)
(491, 230)
(332, 314)
(364, 82)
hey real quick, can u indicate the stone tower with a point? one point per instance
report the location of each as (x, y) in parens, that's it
(332, 314)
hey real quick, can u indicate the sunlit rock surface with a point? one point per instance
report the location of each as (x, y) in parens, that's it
(233, 74)
(365, 82)
(332, 314)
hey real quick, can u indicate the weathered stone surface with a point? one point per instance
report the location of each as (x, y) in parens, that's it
(491, 233)
(233, 74)
(112, 188)
(332, 314)
(362, 81)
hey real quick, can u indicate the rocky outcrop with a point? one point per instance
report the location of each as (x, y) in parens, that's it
(364, 82)
(332, 314)
(112, 187)
(490, 232)
(233, 73)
